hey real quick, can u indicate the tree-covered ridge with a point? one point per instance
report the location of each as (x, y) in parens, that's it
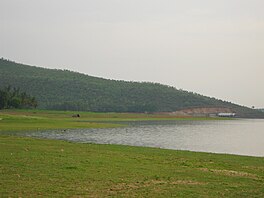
(67, 90)
(13, 98)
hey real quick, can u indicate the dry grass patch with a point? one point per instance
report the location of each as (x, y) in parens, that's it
(231, 173)
(151, 183)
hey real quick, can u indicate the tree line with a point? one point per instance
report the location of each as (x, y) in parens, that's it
(13, 98)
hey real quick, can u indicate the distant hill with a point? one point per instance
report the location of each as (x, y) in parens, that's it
(67, 90)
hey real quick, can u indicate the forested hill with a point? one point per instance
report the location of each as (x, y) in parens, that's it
(67, 90)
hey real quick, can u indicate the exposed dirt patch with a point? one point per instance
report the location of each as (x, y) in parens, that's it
(187, 182)
(231, 173)
(202, 111)
(254, 167)
(175, 182)
(124, 186)
(132, 186)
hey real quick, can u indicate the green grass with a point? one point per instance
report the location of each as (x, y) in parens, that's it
(50, 168)
(19, 120)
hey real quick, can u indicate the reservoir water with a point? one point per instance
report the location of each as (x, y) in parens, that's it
(240, 136)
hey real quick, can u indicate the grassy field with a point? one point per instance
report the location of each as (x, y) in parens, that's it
(50, 168)
(16, 120)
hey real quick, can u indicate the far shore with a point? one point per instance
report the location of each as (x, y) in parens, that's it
(21, 120)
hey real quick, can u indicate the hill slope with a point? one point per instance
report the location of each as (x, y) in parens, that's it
(67, 90)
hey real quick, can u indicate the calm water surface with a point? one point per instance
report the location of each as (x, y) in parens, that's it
(243, 136)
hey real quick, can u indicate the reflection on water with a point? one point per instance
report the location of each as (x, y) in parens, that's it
(244, 137)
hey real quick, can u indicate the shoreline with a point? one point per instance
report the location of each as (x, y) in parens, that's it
(127, 145)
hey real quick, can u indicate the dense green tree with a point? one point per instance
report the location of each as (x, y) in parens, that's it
(13, 98)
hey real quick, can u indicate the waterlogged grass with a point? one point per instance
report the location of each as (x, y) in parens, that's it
(15, 120)
(50, 168)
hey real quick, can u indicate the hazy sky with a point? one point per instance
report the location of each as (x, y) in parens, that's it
(213, 47)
